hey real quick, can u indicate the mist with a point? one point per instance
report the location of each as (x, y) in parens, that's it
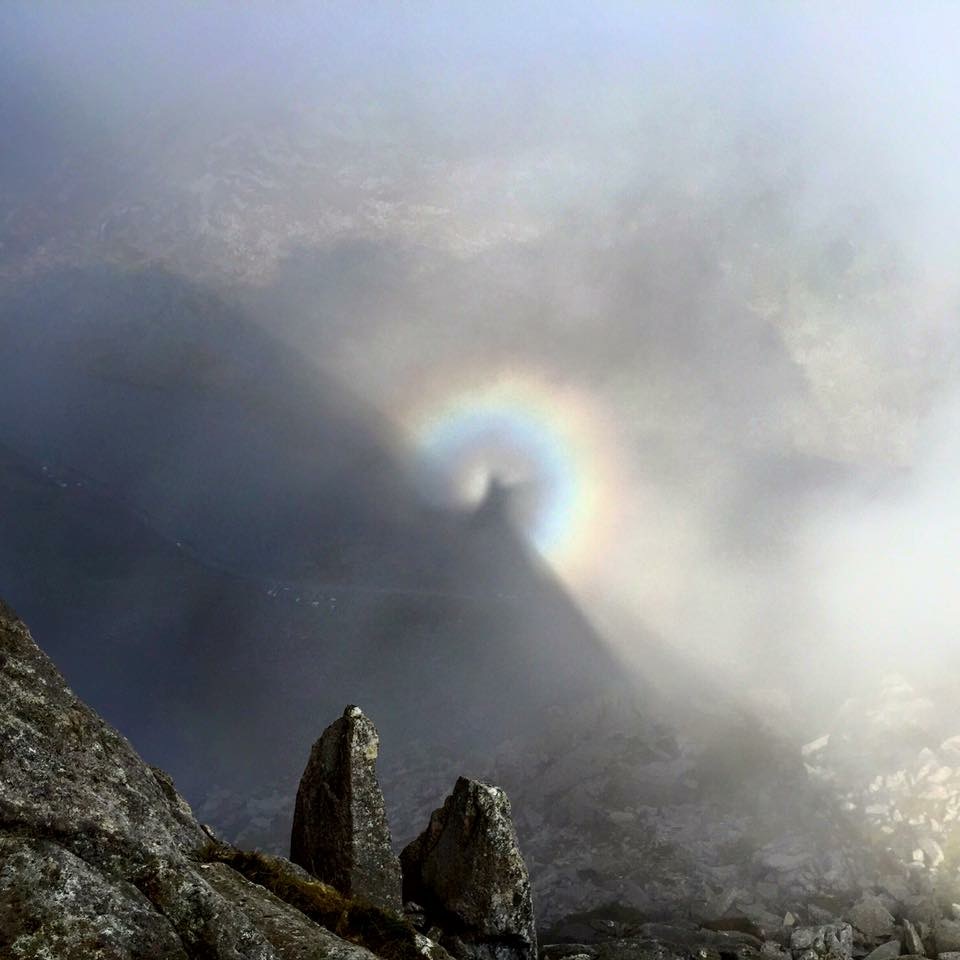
(725, 234)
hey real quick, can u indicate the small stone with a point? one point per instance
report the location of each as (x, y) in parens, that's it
(815, 746)
(896, 887)
(932, 851)
(771, 950)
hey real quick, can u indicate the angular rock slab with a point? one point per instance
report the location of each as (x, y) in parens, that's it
(467, 872)
(912, 941)
(340, 832)
(870, 916)
(886, 951)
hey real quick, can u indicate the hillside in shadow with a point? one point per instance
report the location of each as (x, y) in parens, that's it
(221, 548)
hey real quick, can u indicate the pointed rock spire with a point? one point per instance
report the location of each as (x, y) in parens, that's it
(340, 832)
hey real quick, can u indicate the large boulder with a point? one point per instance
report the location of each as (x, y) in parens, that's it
(340, 832)
(886, 951)
(99, 855)
(947, 935)
(871, 918)
(466, 871)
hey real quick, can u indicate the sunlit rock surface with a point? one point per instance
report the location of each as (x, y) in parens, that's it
(895, 771)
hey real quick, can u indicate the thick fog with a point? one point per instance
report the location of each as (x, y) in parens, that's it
(713, 245)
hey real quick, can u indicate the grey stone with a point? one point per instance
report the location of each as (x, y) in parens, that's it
(871, 918)
(209, 924)
(932, 851)
(820, 915)
(340, 832)
(645, 950)
(912, 942)
(467, 871)
(947, 936)
(771, 950)
(785, 861)
(285, 928)
(67, 776)
(429, 948)
(717, 906)
(831, 941)
(886, 951)
(921, 911)
(769, 923)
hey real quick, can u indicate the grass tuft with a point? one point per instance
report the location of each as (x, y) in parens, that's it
(386, 935)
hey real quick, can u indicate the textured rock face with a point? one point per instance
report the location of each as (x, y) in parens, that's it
(52, 900)
(340, 831)
(886, 951)
(912, 940)
(947, 935)
(288, 931)
(466, 871)
(832, 941)
(68, 777)
(99, 855)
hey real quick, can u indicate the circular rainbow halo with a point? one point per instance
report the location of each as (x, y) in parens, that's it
(542, 440)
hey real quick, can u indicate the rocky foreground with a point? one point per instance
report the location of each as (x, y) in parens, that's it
(619, 817)
(99, 855)
(101, 858)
